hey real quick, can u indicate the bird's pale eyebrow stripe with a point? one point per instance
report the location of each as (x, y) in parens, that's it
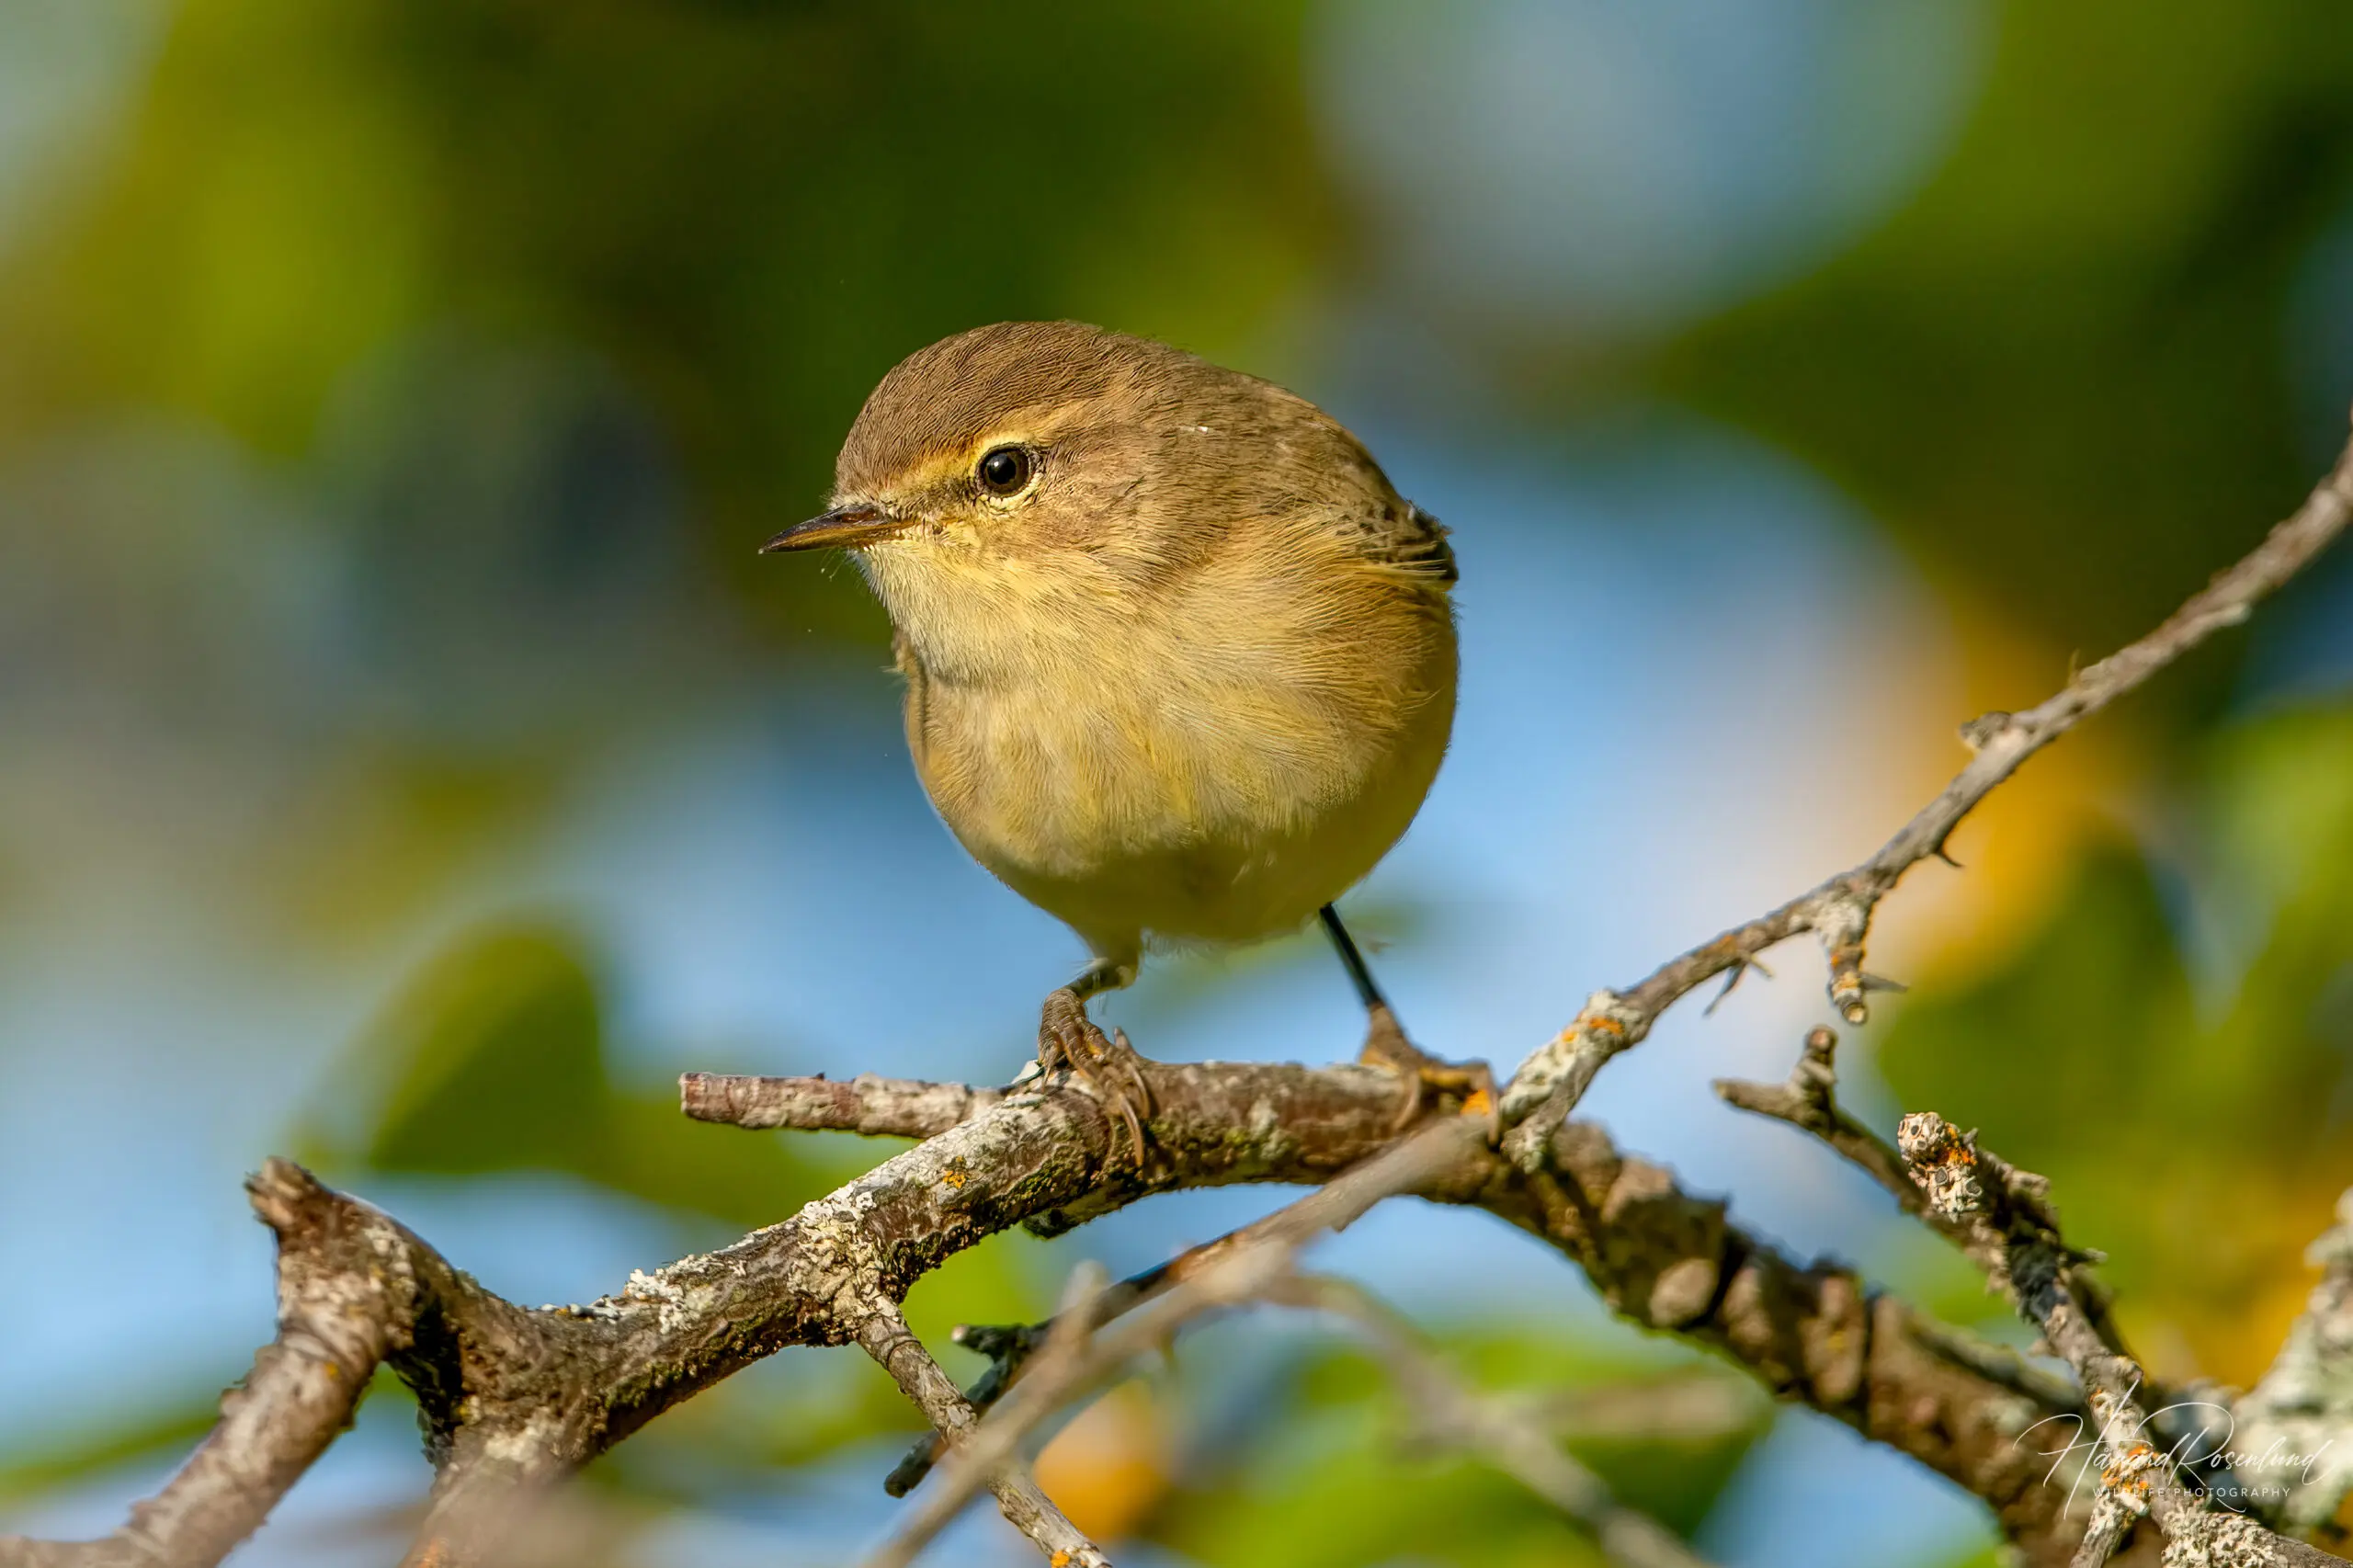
(946, 466)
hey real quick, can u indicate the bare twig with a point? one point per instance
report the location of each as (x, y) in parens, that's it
(1809, 1101)
(2011, 1210)
(342, 1303)
(1240, 1270)
(885, 1336)
(1549, 1083)
(1010, 1346)
(2000, 1364)
(868, 1103)
(1502, 1433)
(1691, 1406)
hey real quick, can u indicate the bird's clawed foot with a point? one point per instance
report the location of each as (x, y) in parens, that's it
(1470, 1083)
(1108, 1065)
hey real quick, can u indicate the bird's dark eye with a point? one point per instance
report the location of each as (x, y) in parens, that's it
(1004, 471)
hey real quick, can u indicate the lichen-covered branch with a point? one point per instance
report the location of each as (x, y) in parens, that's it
(346, 1291)
(1010, 1348)
(1808, 1100)
(1812, 1333)
(1240, 1269)
(515, 1398)
(868, 1103)
(1550, 1083)
(2011, 1210)
(884, 1335)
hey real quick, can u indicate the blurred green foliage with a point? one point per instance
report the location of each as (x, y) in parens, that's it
(750, 209)
(494, 1061)
(2062, 374)
(1342, 1481)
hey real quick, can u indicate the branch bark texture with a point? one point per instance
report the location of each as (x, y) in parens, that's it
(2010, 1210)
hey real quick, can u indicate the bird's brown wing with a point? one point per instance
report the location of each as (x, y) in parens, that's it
(1407, 539)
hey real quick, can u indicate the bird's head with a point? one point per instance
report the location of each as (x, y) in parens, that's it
(1052, 463)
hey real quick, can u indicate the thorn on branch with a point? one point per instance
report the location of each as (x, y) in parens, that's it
(1813, 1079)
(1001, 1341)
(1740, 966)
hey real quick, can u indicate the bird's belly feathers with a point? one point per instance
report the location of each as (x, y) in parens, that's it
(1194, 793)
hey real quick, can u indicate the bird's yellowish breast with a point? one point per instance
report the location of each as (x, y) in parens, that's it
(1212, 761)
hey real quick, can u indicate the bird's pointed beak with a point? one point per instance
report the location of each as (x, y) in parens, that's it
(849, 526)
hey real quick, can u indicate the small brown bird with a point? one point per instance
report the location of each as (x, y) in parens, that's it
(1180, 663)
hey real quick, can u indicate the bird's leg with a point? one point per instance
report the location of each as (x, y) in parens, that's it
(1108, 1065)
(1385, 1045)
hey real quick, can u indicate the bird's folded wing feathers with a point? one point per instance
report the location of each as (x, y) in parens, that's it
(1410, 540)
